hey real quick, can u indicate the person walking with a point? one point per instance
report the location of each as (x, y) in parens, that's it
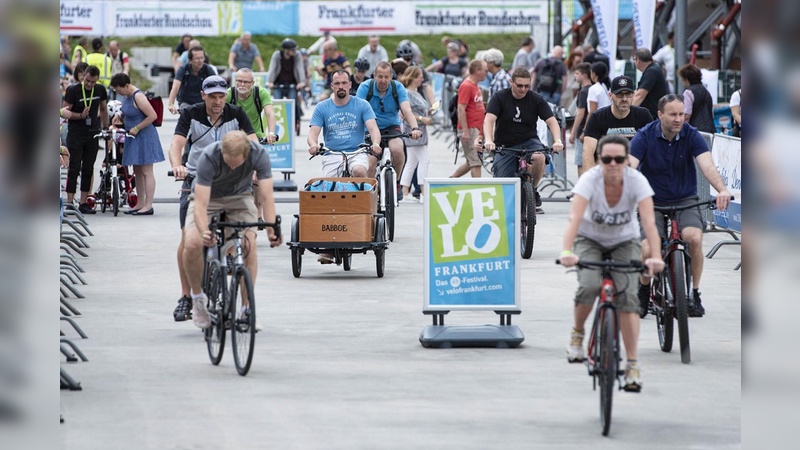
(145, 149)
(418, 153)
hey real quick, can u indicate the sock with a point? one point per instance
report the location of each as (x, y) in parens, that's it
(196, 297)
(633, 362)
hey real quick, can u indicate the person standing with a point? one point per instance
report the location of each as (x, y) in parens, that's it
(583, 78)
(697, 101)
(665, 57)
(374, 53)
(665, 151)
(120, 63)
(598, 94)
(418, 154)
(100, 60)
(511, 121)
(243, 53)
(79, 53)
(83, 102)
(653, 85)
(549, 76)
(144, 149)
(620, 118)
(527, 56)
(500, 78)
(471, 112)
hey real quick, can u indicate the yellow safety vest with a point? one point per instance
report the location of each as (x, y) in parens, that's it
(75, 52)
(102, 62)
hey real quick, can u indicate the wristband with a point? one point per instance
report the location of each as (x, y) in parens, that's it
(557, 141)
(566, 253)
(135, 128)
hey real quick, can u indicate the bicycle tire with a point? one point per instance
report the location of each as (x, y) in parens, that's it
(608, 367)
(297, 255)
(664, 321)
(347, 261)
(678, 272)
(388, 212)
(243, 324)
(103, 191)
(380, 252)
(214, 287)
(115, 196)
(527, 219)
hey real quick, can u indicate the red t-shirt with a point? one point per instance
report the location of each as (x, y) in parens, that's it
(470, 94)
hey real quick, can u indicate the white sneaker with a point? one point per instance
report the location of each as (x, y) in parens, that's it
(575, 350)
(421, 198)
(633, 380)
(409, 199)
(200, 316)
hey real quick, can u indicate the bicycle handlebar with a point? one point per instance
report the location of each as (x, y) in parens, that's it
(108, 133)
(386, 137)
(500, 149)
(264, 141)
(362, 148)
(634, 264)
(215, 223)
(710, 204)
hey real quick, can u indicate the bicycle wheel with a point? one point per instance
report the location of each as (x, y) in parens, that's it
(214, 287)
(608, 367)
(380, 252)
(347, 260)
(115, 195)
(664, 323)
(243, 329)
(527, 219)
(297, 255)
(388, 182)
(679, 287)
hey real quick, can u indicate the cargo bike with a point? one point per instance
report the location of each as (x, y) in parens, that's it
(338, 218)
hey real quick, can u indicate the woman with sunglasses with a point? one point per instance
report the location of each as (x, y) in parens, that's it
(603, 219)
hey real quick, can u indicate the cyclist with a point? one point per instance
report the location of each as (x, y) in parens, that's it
(360, 74)
(244, 95)
(665, 152)
(189, 80)
(511, 122)
(224, 183)
(387, 98)
(342, 119)
(286, 68)
(602, 219)
(405, 51)
(200, 125)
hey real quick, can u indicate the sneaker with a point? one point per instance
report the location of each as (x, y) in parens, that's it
(575, 349)
(184, 309)
(697, 309)
(539, 210)
(422, 199)
(200, 316)
(86, 209)
(633, 381)
(538, 198)
(325, 258)
(409, 199)
(644, 300)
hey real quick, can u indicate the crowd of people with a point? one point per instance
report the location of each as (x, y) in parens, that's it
(635, 144)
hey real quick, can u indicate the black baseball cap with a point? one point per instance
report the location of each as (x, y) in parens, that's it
(621, 84)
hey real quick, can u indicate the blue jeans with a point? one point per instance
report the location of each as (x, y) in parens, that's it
(554, 98)
(507, 165)
(284, 92)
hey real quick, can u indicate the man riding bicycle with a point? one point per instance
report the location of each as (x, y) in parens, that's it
(665, 152)
(511, 122)
(342, 119)
(387, 98)
(224, 183)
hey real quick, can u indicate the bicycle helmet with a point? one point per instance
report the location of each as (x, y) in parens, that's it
(304, 51)
(362, 65)
(288, 44)
(114, 108)
(405, 51)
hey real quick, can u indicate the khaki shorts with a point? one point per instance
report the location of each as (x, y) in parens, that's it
(470, 153)
(590, 281)
(238, 208)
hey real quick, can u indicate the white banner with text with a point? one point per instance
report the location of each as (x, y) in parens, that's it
(606, 20)
(644, 18)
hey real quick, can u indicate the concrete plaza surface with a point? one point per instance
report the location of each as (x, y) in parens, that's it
(339, 364)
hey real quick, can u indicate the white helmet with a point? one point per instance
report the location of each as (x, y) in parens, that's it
(114, 108)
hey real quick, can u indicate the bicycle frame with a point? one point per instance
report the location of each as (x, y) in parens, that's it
(605, 305)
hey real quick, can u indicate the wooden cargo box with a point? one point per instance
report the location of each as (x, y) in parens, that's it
(334, 202)
(336, 227)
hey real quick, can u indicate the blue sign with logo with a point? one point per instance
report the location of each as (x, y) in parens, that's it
(472, 244)
(280, 18)
(281, 153)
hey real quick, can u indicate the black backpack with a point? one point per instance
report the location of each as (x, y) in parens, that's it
(452, 109)
(547, 79)
(256, 100)
(394, 92)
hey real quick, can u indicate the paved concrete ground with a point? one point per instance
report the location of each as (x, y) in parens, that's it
(339, 364)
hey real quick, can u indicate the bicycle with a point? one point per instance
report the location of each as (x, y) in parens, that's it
(527, 195)
(387, 182)
(112, 192)
(231, 309)
(603, 355)
(670, 290)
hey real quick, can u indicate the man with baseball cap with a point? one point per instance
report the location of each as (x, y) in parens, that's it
(201, 125)
(619, 118)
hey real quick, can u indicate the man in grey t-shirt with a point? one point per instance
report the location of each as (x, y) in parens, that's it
(224, 183)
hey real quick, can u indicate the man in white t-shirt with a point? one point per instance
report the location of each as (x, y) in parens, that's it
(665, 57)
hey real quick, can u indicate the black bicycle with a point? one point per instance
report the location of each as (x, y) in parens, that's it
(527, 195)
(231, 307)
(387, 182)
(671, 290)
(603, 351)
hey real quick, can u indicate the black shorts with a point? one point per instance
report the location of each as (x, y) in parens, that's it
(394, 129)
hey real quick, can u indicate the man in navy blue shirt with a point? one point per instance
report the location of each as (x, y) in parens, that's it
(665, 152)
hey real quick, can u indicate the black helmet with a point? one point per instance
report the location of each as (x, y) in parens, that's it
(288, 44)
(405, 51)
(361, 64)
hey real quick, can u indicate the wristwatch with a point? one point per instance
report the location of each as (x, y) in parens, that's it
(415, 129)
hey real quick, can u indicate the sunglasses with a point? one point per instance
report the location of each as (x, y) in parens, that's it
(522, 86)
(616, 159)
(212, 84)
(381, 103)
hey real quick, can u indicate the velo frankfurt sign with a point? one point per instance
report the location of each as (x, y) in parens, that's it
(472, 257)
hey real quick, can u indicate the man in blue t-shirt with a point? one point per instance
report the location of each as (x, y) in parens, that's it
(387, 99)
(665, 152)
(342, 119)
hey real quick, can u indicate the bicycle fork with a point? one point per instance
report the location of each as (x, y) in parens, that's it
(605, 306)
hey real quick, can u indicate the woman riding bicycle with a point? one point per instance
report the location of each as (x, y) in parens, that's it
(603, 219)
